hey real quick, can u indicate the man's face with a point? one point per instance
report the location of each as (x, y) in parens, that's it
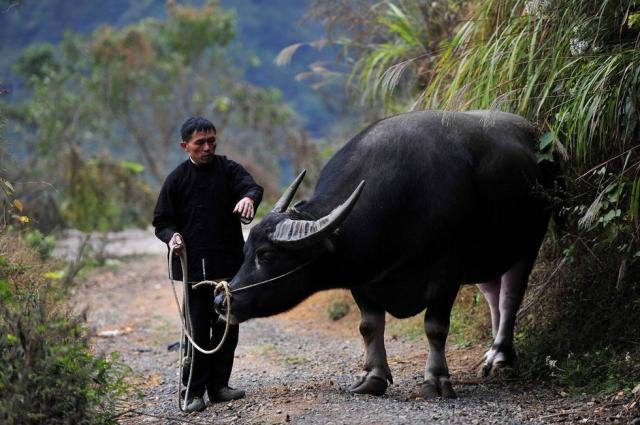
(201, 146)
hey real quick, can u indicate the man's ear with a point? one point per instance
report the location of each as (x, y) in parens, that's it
(183, 145)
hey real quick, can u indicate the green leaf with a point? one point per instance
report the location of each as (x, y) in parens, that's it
(546, 139)
(634, 20)
(544, 157)
(5, 289)
(57, 275)
(8, 185)
(132, 166)
(610, 215)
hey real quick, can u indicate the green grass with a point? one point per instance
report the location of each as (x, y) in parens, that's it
(338, 308)
(294, 360)
(411, 329)
(469, 325)
(266, 349)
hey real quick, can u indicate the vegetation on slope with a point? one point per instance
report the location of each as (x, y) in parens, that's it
(573, 68)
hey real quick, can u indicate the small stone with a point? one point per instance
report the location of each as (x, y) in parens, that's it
(143, 349)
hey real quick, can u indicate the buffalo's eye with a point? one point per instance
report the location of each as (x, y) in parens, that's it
(265, 256)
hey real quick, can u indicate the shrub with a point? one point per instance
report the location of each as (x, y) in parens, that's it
(470, 319)
(583, 318)
(48, 374)
(42, 244)
(105, 194)
(338, 308)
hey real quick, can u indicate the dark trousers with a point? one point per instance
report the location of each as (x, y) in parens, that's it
(210, 371)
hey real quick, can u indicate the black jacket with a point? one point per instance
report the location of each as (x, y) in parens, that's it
(197, 201)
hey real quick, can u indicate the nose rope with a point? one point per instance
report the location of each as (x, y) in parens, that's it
(264, 282)
(185, 319)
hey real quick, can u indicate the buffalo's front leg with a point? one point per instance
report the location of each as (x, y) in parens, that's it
(436, 372)
(376, 375)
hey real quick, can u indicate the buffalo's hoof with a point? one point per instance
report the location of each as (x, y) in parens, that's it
(437, 388)
(499, 371)
(370, 384)
(498, 365)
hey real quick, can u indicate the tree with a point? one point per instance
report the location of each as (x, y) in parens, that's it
(126, 91)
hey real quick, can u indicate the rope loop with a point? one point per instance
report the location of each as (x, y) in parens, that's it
(185, 320)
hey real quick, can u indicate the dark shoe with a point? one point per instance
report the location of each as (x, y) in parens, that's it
(196, 404)
(225, 394)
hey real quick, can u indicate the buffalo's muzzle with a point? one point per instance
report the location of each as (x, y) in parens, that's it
(220, 302)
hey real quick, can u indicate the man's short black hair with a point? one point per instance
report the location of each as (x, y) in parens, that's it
(194, 124)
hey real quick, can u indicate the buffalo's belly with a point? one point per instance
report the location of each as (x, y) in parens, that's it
(423, 275)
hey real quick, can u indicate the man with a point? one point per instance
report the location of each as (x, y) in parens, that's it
(200, 207)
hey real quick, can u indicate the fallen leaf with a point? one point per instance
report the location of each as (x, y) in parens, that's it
(111, 333)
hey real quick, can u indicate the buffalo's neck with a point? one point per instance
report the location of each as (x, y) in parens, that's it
(353, 248)
(342, 266)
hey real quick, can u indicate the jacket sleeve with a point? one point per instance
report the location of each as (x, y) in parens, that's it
(242, 184)
(165, 212)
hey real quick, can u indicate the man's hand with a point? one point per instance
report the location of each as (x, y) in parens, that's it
(245, 208)
(176, 243)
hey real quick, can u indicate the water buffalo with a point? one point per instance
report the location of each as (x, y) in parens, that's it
(450, 198)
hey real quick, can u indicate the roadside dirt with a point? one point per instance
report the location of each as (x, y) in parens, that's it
(296, 367)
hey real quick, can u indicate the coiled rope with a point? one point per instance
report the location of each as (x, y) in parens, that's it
(185, 320)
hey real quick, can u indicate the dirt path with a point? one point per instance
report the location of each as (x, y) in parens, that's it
(296, 367)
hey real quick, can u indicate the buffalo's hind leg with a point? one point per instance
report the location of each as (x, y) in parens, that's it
(491, 292)
(510, 289)
(376, 376)
(436, 326)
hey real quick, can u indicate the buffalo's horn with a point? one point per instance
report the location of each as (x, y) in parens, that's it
(287, 196)
(294, 233)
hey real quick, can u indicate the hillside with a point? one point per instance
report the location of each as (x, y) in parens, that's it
(264, 28)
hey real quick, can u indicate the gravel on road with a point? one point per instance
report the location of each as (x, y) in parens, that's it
(297, 367)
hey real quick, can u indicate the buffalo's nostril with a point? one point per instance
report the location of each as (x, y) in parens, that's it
(219, 302)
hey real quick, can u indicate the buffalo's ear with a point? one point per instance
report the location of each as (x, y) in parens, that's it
(301, 233)
(299, 204)
(328, 244)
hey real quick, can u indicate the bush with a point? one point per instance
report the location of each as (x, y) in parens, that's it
(42, 244)
(470, 318)
(105, 194)
(48, 372)
(581, 329)
(338, 308)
